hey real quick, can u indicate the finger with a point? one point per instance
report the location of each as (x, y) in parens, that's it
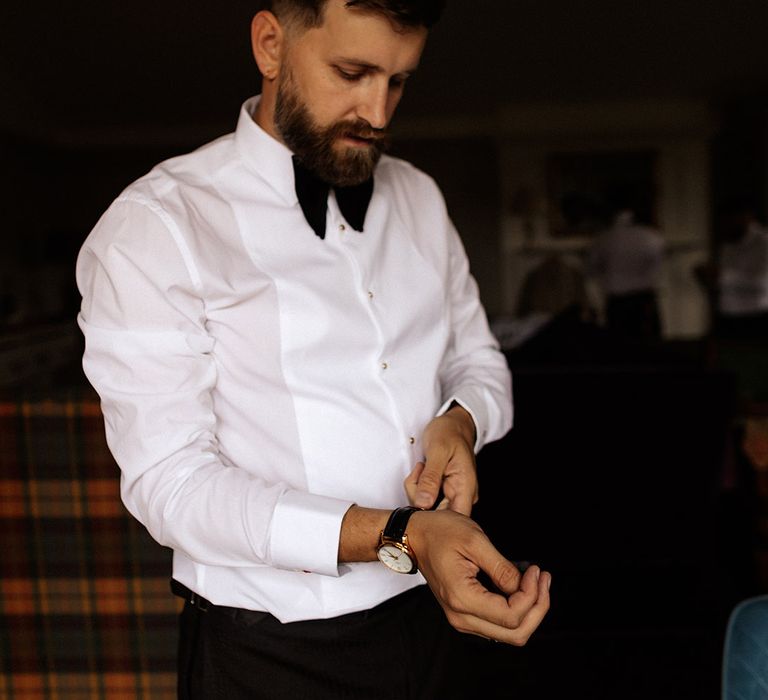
(445, 504)
(411, 482)
(489, 564)
(530, 579)
(505, 576)
(514, 597)
(517, 633)
(525, 597)
(460, 500)
(481, 599)
(428, 486)
(535, 615)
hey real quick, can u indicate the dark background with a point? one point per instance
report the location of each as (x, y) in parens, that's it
(94, 94)
(73, 67)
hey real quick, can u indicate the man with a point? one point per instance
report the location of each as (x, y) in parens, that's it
(742, 273)
(627, 260)
(739, 296)
(279, 376)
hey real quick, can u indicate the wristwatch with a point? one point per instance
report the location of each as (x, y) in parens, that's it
(393, 550)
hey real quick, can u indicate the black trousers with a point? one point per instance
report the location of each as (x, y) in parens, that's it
(402, 649)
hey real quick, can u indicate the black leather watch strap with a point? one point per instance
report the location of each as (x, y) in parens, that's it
(398, 521)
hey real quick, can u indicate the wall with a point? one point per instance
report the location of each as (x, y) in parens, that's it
(523, 139)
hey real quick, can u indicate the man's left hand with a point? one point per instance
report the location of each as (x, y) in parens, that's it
(449, 463)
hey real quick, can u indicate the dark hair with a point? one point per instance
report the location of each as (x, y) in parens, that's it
(406, 13)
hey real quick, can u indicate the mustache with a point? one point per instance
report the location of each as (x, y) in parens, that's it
(360, 129)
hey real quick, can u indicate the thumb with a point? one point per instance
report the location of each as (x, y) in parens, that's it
(427, 486)
(498, 574)
(411, 482)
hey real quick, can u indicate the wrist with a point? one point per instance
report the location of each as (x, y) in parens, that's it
(416, 531)
(394, 550)
(360, 531)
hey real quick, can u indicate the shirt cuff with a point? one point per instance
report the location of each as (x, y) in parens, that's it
(472, 401)
(305, 532)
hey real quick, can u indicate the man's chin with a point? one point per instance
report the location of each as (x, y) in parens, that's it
(356, 164)
(349, 148)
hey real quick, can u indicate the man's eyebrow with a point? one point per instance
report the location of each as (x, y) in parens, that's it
(372, 66)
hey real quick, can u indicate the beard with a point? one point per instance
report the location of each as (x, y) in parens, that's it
(315, 145)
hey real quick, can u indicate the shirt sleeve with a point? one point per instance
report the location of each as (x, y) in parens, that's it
(148, 355)
(474, 372)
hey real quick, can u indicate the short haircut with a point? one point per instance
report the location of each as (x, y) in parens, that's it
(405, 13)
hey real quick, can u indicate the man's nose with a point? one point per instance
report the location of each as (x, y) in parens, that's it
(374, 104)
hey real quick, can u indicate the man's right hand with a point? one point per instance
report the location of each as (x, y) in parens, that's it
(451, 550)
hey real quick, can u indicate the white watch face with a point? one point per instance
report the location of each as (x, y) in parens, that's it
(395, 558)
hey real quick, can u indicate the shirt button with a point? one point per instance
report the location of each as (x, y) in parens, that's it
(370, 294)
(412, 440)
(342, 228)
(384, 365)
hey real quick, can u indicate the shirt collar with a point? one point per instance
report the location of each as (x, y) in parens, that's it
(264, 154)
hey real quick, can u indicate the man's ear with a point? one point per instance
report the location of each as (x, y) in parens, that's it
(267, 37)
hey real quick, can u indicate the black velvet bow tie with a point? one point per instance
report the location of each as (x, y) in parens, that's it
(313, 198)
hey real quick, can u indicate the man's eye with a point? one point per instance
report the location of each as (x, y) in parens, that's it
(351, 77)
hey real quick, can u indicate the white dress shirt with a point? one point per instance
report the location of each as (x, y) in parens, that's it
(744, 274)
(256, 380)
(627, 257)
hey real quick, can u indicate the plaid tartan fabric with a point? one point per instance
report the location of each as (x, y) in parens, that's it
(85, 605)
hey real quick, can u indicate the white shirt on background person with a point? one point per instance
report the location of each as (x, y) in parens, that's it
(743, 276)
(627, 257)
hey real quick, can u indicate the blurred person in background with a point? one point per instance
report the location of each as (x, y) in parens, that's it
(742, 273)
(626, 260)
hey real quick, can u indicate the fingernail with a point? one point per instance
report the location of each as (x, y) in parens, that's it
(549, 581)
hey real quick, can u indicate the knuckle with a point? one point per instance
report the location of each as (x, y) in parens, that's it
(453, 602)
(470, 540)
(507, 576)
(431, 477)
(519, 641)
(457, 621)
